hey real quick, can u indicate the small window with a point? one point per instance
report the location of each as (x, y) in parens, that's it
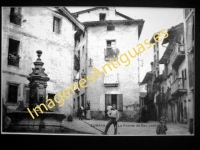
(13, 57)
(102, 17)
(111, 43)
(12, 93)
(56, 24)
(15, 15)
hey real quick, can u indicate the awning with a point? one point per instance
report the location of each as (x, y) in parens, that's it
(111, 79)
(147, 77)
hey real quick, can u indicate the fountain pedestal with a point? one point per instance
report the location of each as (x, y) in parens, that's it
(21, 121)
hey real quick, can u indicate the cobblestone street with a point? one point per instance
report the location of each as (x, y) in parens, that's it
(125, 128)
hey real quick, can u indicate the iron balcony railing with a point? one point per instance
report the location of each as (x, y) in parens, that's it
(177, 55)
(111, 52)
(179, 85)
(13, 60)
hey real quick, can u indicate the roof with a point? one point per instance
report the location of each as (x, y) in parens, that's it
(88, 10)
(140, 22)
(152, 39)
(96, 8)
(147, 77)
(122, 15)
(65, 12)
(172, 32)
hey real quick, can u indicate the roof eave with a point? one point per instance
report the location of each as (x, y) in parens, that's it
(72, 18)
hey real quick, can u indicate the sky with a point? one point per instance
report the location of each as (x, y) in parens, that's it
(155, 19)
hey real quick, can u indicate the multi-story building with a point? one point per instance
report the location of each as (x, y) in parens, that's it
(26, 30)
(152, 80)
(175, 75)
(189, 51)
(107, 33)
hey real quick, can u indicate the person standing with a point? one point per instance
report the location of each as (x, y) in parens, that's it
(161, 128)
(114, 117)
(80, 112)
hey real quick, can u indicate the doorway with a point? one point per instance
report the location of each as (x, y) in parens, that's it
(114, 100)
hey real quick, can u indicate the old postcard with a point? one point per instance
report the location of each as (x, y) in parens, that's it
(106, 71)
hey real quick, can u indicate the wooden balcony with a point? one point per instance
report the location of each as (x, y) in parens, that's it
(13, 60)
(178, 87)
(110, 53)
(76, 63)
(177, 56)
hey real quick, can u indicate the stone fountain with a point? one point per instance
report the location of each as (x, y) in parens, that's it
(21, 121)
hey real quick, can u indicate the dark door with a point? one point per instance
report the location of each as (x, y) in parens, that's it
(12, 93)
(114, 100)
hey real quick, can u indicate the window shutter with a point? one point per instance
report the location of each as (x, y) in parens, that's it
(107, 100)
(120, 102)
(113, 44)
(105, 52)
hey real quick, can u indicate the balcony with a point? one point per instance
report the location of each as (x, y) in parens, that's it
(160, 98)
(110, 52)
(16, 18)
(191, 79)
(178, 87)
(178, 55)
(13, 60)
(76, 63)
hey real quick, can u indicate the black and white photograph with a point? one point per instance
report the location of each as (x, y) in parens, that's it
(98, 71)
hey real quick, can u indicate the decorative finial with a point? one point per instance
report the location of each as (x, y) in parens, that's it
(39, 52)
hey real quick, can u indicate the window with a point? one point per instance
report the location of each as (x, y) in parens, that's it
(15, 15)
(102, 16)
(13, 57)
(111, 49)
(110, 28)
(12, 93)
(56, 24)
